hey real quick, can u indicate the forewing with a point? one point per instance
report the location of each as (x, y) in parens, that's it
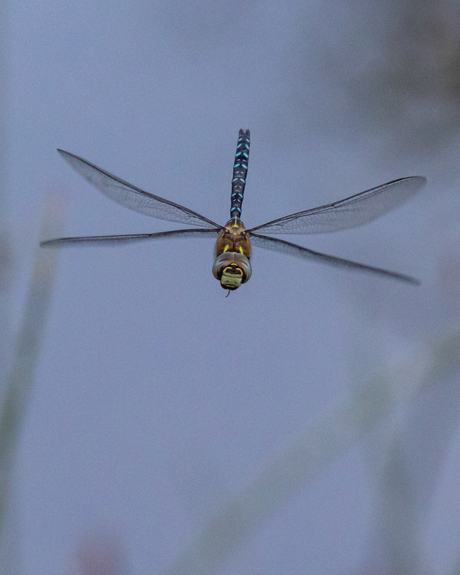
(349, 213)
(134, 198)
(127, 238)
(284, 247)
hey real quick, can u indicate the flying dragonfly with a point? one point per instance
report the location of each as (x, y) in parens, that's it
(232, 263)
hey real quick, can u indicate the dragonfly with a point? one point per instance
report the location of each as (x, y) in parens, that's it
(232, 256)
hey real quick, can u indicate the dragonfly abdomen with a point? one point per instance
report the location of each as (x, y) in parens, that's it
(240, 170)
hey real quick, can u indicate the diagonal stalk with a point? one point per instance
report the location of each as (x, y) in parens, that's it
(335, 430)
(19, 380)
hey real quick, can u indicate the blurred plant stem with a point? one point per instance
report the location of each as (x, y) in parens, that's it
(335, 430)
(19, 380)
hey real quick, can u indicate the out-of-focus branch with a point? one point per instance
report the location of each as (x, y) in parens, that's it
(20, 378)
(405, 469)
(336, 429)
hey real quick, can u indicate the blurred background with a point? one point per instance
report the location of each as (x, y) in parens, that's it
(309, 422)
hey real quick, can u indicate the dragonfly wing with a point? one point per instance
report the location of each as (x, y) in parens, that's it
(294, 250)
(124, 239)
(349, 213)
(134, 198)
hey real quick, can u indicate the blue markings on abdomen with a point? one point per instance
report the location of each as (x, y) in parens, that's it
(240, 170)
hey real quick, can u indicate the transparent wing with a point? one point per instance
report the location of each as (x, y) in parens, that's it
(124, 239)
(349, 213)
(134, 198)
(294, 250)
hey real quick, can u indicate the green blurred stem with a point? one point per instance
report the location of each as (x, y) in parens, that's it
(336, 429)
(19, 380)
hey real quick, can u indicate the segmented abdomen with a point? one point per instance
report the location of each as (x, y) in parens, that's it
(240, 170)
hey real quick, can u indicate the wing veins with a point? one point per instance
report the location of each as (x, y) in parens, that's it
(347, 213)
(275, 244)
(121, 239)
(134, 198)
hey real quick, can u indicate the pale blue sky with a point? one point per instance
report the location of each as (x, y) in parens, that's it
(157, 398)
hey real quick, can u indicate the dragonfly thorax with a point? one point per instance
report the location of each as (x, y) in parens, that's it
(233, 238)
(233, 251)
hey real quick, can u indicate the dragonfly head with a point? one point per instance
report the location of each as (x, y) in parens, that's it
(232, 269)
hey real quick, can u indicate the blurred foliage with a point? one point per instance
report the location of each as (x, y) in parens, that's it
(19, 380)
(402, 67)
